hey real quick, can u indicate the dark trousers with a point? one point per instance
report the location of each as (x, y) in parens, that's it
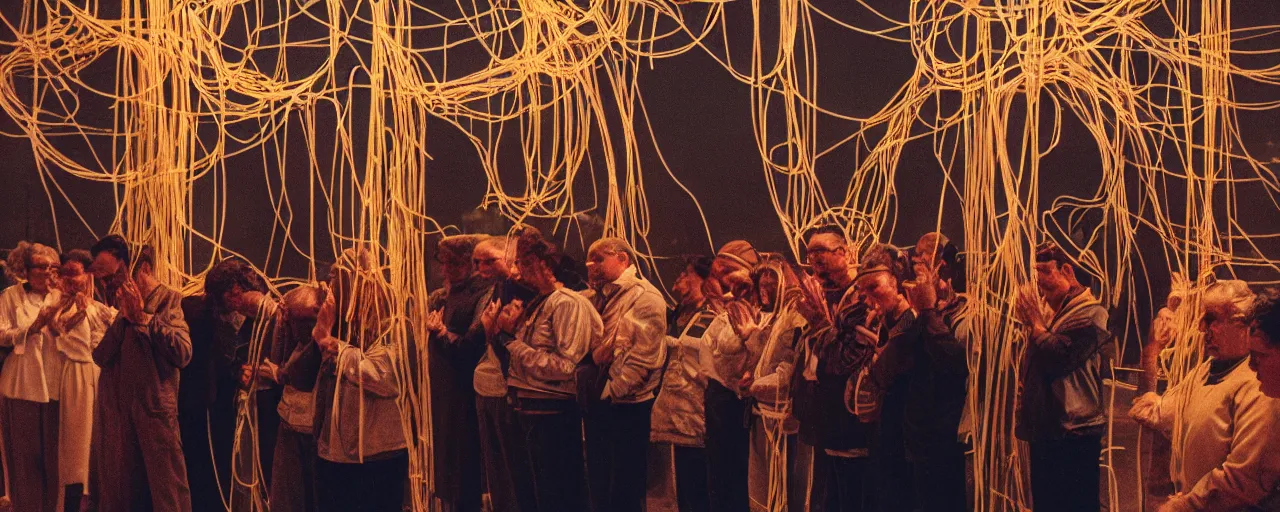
(691, 479)
(728, 443)
(1065, 474)
(194, 427)
(617, 456)
(141, 466)
(293, 485)
(940, 480)
(553, 441)
(374, 486)
(506, 467)
(839, 483)
(31, 453)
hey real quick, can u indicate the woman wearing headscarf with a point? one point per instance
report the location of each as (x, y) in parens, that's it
(778, 473)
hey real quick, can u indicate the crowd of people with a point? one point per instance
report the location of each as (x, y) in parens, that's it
(839, 385)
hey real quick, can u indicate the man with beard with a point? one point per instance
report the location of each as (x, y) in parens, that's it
(456, 344)
(506, 467)
(141, 466)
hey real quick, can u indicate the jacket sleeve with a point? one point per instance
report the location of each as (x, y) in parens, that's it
(939, 343)
(466, 348)
(12, 333)
(1060, 353)
(574, 325)
(108, 349)
(167, 333)
(641, 338)
(1252, 468)
(373, 368)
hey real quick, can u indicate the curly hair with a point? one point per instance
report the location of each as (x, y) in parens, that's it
(19, 260)
(226, 275)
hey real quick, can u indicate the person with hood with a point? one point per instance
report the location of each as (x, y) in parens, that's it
(728, 438)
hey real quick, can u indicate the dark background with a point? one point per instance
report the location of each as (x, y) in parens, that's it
(701, 117)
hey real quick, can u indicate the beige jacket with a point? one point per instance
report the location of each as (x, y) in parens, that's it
(1225, 437)
(635, 323)
(363, 420)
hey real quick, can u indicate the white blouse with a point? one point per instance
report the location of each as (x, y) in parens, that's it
(32, 370)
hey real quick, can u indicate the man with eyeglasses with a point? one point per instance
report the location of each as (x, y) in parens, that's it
(1222, 427)
(831, 351)
(1062, 413)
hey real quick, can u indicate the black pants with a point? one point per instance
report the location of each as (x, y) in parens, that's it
(553, 440)
(1065, 474)
(728, 449)
(506, 467)
(839, 483)
(940, 480)
(375, 486)
(617, 456)
(691, 479)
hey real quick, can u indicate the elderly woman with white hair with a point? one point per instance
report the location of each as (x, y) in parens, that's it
(29, 380)
(1223, 428)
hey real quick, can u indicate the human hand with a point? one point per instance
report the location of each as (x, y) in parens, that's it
(129, 301)
(1145, 409)
(510, 315)
(489, 318)
(923, 294)
(434, 322)
(742, 318)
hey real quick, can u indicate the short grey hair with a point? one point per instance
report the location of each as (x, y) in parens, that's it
(614, 245)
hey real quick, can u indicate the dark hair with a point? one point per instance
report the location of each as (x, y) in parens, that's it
(460, 246)
(826, 229)
(700, 264)
(80, 256)
(113, 244)
(887, 257)
(1266, 315)
(227, 274)
(1050, 251)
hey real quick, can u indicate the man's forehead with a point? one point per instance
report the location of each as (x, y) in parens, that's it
(825, 240)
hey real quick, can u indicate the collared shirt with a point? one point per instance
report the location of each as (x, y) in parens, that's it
(552, 342)
(635, 324)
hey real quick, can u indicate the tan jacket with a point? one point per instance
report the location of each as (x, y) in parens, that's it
(1225, 437)
(635, 323)
(363, 421)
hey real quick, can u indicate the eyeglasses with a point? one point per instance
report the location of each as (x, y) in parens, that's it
(485, 261)
(43, 268)
(813, 252)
